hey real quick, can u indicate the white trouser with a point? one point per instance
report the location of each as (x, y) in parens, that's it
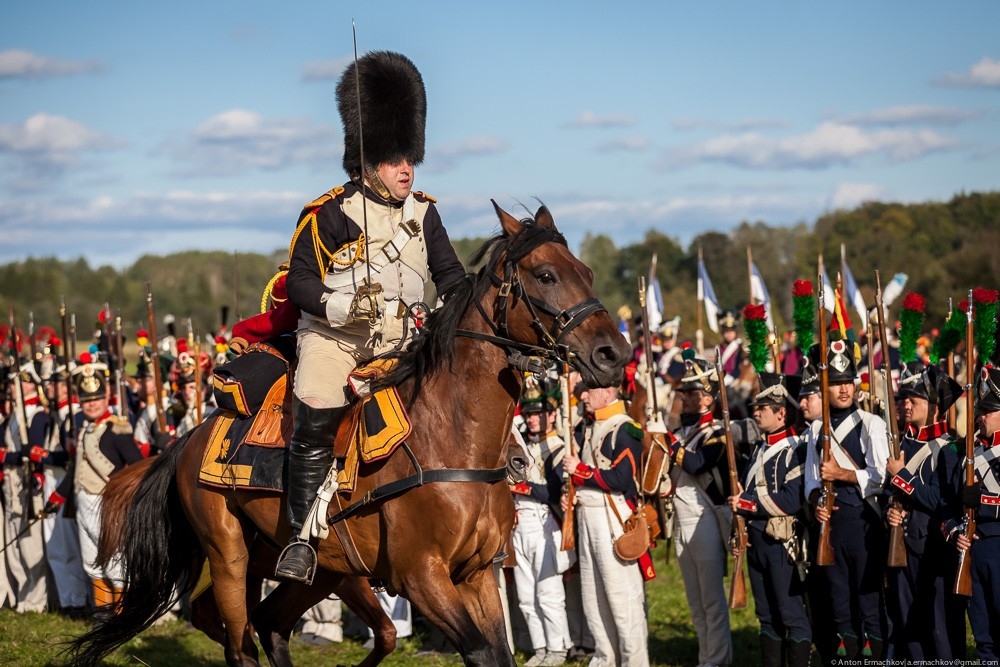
(323, 620)
(88, 520)
(701, 554)
(25, 556)
(538, 577)
(62, 549)
(613, 596)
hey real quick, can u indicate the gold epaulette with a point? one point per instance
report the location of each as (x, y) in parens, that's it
(425, 196)
(324, 198)
(120, 425)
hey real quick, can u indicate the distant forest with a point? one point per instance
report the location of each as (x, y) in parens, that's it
(946, 248)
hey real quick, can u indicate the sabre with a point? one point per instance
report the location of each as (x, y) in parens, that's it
(369, 290)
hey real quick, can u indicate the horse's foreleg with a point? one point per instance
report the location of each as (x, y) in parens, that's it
(430, 588)
(481, 596)
(361, 599)
(275, 617)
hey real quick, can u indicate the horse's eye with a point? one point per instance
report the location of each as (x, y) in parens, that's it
(546, 277)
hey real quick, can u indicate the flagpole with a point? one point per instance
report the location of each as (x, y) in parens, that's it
(699, 335)
(750, 274)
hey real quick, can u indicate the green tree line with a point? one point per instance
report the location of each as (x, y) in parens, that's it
(945, 248)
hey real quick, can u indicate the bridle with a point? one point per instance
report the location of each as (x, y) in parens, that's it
(551, 345)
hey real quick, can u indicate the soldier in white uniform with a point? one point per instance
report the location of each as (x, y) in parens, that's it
(610, 447)
(373, 227)
(539, 558)
(21, 455)
(105, 446)
(702, 519)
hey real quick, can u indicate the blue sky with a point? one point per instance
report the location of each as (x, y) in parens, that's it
(132, 127)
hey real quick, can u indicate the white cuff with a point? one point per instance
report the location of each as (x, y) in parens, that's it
(338, 308)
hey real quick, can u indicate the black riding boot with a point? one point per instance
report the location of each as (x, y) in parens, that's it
(770, 651)
(309, 460)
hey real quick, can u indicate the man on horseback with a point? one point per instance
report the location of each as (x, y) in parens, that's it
(362, 255)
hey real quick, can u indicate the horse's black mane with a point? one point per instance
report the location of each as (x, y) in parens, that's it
(436, 345)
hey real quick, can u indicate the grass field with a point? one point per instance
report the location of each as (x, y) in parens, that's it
(32, 640)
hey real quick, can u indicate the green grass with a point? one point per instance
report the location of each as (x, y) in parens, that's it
(31, 640)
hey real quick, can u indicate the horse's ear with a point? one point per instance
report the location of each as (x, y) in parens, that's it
(510, 225)
(544, 219)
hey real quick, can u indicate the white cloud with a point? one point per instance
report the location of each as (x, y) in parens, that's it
(21, 64)
(984, 74)
(850, 195)
(325, 70)
(235, 141)
(624, 144)
(829, 144)
(684, 124)
(44, 146)
(913, 114)
(104, 229)
(590, 119)
(447, 156)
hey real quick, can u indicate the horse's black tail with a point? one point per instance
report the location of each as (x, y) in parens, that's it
(160, 557)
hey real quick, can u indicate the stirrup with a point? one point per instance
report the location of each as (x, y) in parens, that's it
(289, 575)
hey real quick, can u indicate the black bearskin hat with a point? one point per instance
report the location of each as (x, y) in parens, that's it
(393, 111)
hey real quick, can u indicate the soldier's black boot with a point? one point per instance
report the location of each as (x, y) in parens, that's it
(770, 650)
(797, 652)
(309, 460)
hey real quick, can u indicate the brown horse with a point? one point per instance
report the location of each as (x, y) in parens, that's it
(355, 592)
(439, 513)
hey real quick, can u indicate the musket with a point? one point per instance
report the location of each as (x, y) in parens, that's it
(119, 368)
(655, 428)
(738, 585)
(197, 375)
(22, 410)
(963, 578)
(31, 338)
(72, 336)
(69, 381)
(652, 409)
(824, 550)
(568, 525)
(950, 364)
(38, 517)
(161, 418)
(896, 555)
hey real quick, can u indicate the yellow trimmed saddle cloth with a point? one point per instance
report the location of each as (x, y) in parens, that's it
(250, 452)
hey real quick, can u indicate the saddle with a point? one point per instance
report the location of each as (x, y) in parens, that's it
(248, 450)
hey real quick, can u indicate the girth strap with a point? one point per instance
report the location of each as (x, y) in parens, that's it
(419, 478)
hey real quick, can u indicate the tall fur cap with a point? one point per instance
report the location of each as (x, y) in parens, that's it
(393, 110)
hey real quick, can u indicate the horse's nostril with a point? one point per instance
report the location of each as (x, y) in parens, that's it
(606, 356)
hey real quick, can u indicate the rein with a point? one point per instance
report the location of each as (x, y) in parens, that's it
(551, 339)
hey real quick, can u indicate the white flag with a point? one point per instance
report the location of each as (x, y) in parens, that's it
(654, 298)
(707, 294)
(758, 292)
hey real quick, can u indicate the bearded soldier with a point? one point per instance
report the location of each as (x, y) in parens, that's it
(361, 256)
